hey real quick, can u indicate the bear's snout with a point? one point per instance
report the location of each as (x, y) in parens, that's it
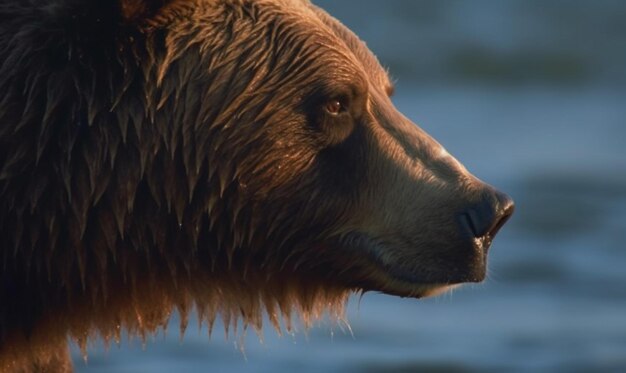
(483, 219)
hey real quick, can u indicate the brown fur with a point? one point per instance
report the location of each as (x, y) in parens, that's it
(160, 158)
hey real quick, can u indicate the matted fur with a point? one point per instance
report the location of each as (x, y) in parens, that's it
(123, 171)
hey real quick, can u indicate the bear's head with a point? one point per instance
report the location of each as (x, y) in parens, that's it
(232, 156)
(313, 173)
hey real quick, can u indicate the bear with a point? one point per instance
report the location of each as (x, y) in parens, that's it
(238, 158)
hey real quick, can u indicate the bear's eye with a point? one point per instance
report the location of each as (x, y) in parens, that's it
(334, 107)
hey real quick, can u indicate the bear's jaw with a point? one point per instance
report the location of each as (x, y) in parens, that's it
(377, 270)
(405, 290)
(397, 286)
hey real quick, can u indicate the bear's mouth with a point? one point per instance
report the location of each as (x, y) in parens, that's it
(377, 274)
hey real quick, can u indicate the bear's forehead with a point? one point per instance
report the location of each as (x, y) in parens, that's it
(357, 47)
(341, 40)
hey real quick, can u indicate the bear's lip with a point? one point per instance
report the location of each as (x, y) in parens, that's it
(391, 279)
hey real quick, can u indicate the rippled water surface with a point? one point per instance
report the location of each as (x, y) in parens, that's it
(530, 96)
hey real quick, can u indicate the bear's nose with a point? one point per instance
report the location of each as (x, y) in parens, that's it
(485, 218)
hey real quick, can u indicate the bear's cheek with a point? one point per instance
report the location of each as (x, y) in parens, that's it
(276, 168)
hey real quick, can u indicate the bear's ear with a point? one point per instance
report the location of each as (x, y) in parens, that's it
(138, 11)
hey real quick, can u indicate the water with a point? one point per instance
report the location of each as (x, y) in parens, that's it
(555, 299)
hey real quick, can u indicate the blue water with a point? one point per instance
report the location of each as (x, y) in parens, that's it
(555, 299)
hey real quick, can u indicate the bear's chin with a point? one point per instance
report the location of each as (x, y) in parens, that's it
(376, 271)
(380, 280)
(424, 291)
(409, 290)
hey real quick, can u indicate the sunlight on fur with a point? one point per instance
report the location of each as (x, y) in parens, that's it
(148, 310)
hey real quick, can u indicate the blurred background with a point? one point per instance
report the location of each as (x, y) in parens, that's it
(531, 96)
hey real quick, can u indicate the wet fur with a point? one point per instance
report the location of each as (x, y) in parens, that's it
(130, 190)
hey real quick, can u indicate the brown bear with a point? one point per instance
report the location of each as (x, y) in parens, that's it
(236, 157)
